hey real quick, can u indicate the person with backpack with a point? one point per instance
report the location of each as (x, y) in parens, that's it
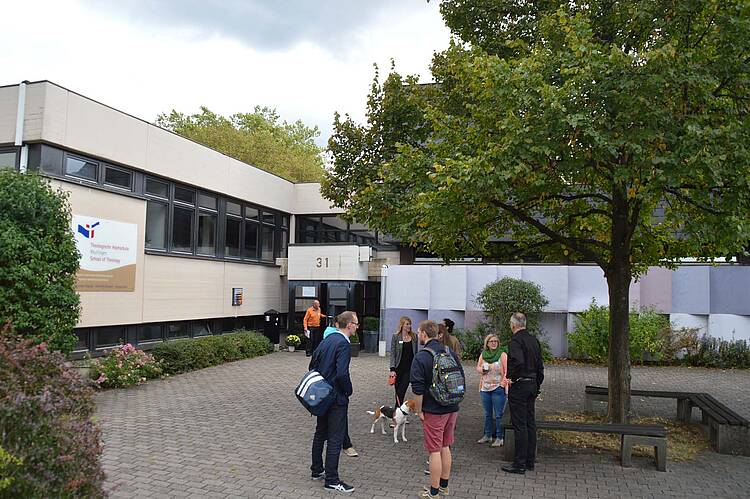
(438, 382)
(331, 361)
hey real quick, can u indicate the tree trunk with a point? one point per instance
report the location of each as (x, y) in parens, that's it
(618, 281)
(619, 342)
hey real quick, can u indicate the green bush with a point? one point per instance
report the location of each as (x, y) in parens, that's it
(51, 445)
(503, 298)
(38, 261)
(124, 366)
(181, 356)
(472, 340)
(724, 354)
(648, 333)
(371, 324)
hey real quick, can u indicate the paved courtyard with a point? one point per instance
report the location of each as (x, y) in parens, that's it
(237, 431)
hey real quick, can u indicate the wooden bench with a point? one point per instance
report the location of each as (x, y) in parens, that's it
(728, 432)
(651, 435)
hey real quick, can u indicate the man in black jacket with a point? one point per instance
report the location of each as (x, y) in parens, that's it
(526, 375)
(331, 359)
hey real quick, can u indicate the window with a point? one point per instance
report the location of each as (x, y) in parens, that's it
(182, 230)
(232, 237)
(234, 209)
(83, 340)
(149, 332)
(110, 336)
(201, 328)
(8, 160)
(118, 178)
(281, 244)
(269, 218)
(250, 248)
(178, 330)
(184, 195)
(206, 233)
(156, 225)
(157, 188)
(81, 168)
(267, 244)
(251, 213)
(207, 201)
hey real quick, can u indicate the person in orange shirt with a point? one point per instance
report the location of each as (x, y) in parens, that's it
(312, 324)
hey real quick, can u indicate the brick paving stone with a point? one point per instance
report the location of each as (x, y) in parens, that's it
(237, 431)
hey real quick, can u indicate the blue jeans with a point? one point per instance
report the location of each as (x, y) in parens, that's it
(332, 427)
(494, 402)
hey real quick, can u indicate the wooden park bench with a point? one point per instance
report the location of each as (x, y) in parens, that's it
(650, 435)
(728, 432)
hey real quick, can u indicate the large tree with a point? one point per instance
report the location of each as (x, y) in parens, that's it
(612, 132)
(259, 138)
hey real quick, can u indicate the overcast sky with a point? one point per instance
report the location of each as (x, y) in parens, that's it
(306, 58)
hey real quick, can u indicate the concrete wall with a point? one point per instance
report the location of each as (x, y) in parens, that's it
(712, 299)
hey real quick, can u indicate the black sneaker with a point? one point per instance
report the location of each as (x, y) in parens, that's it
(341, 487)
(318, 476)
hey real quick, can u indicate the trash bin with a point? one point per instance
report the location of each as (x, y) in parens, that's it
(370, 341)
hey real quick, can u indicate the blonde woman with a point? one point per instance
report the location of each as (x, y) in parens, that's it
(493, 367)
(403, 350)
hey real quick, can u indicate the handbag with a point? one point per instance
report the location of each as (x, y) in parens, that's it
(315, 393)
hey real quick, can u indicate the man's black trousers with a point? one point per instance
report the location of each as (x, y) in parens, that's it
(521, 400)
(316, 336)
(332, 427)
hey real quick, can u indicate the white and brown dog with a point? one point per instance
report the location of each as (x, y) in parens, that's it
(397, 415)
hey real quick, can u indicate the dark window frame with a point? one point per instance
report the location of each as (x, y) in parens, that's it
(17, 155)
(130, 174)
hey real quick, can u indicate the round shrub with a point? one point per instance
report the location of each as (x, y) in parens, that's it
(38, 261)
(124, 366)
(46, 425)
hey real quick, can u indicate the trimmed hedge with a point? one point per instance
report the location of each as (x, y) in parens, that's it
(50, 443)
(181, 356)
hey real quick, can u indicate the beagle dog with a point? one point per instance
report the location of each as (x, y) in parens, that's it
(397, 415)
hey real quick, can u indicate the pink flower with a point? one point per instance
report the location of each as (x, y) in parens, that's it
(101, 379)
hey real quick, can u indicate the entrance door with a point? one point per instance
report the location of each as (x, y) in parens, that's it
(338, 299)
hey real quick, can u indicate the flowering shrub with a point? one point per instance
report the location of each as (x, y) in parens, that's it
(292, 340)
(124, 366)
(50, 442)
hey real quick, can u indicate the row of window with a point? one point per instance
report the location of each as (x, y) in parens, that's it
(146, 335)
(331, 229)
(180, 219)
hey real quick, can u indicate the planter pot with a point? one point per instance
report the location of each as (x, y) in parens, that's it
(291, 349)
(354, 348)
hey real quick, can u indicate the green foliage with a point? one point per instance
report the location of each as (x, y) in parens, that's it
(51, 443)
(501, 299)
(124, 366)
(472, 340)
(257, 138)
(371, 324)
(181, 356)
(724, 354)
(354, 339)
(38, 261)
(649, 335)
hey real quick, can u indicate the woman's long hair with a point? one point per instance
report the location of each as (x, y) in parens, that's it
(403, 320)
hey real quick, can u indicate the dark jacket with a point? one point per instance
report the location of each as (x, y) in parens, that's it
(525, 357)
(331, 359)
(397, 347)
(421, 378)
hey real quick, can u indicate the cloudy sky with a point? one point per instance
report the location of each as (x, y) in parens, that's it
(306, 58)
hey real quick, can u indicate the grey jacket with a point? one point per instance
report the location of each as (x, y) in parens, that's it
(397, 346)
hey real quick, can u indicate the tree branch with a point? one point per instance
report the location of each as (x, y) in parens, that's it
(588, 195)
(690, 201)
(565, 241)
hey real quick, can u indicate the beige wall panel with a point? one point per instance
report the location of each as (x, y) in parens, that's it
(324, 262)
(181, 288)
(98, 309)
(99, 130)
(261, 288)
(175, 157)
(8, 110)
(382, 258)
(52, 113)
(310, 201)
(252, 184)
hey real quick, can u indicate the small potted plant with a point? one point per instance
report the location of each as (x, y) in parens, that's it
(292, 341)
(355, 346)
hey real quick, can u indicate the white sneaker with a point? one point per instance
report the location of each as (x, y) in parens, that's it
(484, 440)
(351, 452)
(499, 442)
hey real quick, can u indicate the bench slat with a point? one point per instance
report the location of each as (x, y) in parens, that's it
(619, 429)
(718, 411)
(602, 390)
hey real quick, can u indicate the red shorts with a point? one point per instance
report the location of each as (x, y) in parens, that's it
(438, 430)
